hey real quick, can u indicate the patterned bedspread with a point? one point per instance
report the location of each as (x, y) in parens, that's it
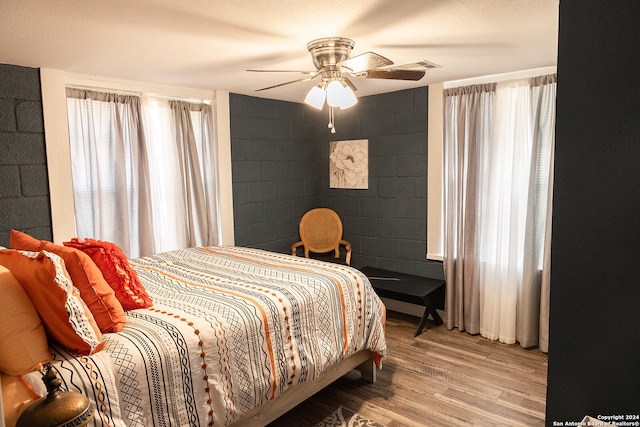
(230, 329)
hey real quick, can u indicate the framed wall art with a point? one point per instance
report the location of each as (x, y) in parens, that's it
(349, 164)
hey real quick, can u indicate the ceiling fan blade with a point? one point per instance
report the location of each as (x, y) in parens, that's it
(392, 73)
(423, 46)
(287, 83)
(283, 71)
(365, 61)
(420, 65)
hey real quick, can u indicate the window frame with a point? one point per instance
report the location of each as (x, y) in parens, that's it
(54, 84)
(435, 212)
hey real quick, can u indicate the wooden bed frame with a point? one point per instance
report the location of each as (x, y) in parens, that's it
(263, 415)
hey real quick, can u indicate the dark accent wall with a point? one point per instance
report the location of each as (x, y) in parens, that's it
(24, 185)
(595, 292)
(387, 223)
(280, 156)
(273, 156)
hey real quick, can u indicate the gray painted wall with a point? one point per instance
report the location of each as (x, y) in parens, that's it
(24, 186)
(273, 156)
(387, 223)
(280, 154)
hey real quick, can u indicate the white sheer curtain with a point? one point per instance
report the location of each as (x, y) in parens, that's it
(192, 135)
(156, 197)
(167, 203)
(498, 168)
(110, 169)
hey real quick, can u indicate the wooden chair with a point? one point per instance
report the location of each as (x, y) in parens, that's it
(321, 232)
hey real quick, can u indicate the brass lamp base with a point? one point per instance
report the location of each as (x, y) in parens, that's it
(58, 408)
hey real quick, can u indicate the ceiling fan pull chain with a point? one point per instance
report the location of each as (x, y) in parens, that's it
(332, 117)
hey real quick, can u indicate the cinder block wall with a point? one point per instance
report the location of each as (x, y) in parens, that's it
(24, 185)
(387, 223)
(273, 156)
(280, 155)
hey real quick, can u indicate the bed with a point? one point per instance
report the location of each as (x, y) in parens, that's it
(234, 336)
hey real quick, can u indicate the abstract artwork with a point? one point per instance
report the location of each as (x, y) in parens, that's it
(349, 164)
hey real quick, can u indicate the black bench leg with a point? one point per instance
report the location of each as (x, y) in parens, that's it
(430, 309)
(423, 322)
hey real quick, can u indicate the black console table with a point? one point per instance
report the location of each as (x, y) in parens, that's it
(408, 288)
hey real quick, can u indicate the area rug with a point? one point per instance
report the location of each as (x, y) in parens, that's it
(343, 417)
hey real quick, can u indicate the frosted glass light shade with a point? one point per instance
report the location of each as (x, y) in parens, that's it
(334, 93)
(348, 98)
(316, 97)
(340, 95)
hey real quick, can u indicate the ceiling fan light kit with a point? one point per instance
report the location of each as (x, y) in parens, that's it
(316, 97)
(340, 95)
(334, 64)
(335, 92)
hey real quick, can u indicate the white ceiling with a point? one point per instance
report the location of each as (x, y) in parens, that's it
(209, 44)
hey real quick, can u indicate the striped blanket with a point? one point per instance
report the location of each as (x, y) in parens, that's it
(230, 329)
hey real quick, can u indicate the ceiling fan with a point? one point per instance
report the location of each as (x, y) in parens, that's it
(334, 65)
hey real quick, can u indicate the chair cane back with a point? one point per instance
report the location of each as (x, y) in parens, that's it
(321, 232)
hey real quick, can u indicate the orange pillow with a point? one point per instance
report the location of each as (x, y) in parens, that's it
(23, 241)
(23, 343)
(65, 316)
(116, 270)
(85, 275)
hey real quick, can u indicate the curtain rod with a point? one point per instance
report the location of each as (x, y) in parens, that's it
(136, 93)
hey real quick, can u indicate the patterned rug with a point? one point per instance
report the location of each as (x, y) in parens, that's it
(343, 417)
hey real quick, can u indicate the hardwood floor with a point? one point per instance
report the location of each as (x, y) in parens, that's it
(440, 378)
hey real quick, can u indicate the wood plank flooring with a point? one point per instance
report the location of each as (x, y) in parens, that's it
(440, 378)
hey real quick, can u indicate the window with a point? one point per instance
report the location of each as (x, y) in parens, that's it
(435, 223)
(54, 101)
(139, 171)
